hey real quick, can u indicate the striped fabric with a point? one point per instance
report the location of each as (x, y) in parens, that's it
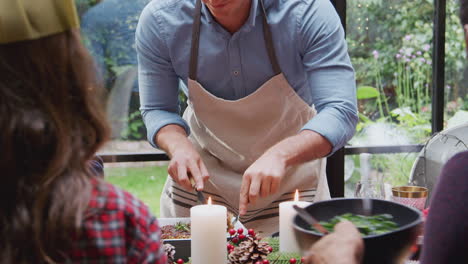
(118, 228)
(188, 199)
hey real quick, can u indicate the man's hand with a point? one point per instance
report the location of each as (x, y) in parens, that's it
(262, 178)
(343, 246)
(185, 161)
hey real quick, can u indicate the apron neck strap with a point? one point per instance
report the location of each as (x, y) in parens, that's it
(195, 41)
(267, 36)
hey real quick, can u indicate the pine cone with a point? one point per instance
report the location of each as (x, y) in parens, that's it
(249, 251)
(170, 252)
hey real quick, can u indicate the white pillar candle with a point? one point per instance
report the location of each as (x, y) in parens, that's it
(208, 230)
(286, 235)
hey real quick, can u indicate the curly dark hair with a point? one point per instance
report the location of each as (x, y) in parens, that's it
(53, 122)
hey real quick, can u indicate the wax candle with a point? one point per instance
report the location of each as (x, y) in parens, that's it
(287, 238)
(208, 229)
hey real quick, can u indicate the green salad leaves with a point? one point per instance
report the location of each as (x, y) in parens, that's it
(367, 225)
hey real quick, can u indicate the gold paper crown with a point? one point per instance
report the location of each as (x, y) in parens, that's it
(32, 19)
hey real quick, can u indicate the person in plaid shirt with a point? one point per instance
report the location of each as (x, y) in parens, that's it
(118, 228)
(54, 206)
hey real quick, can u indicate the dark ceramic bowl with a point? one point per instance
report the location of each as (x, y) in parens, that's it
(386, 248)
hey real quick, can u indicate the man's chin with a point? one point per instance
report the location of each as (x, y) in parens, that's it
(222, 13)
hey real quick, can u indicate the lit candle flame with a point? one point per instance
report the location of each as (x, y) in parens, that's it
(209, 201)
(296, 196)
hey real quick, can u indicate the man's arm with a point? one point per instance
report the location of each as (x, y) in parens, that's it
(157, 80)
(158, 84)
(332, 83)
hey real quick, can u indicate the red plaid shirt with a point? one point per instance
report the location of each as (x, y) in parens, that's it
(118, 228)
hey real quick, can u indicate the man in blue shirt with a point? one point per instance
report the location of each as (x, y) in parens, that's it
(242, 55)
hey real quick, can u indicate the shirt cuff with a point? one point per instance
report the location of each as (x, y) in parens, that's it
(333, 128)
(158, 119)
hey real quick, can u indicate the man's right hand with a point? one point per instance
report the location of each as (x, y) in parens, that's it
(185, 161)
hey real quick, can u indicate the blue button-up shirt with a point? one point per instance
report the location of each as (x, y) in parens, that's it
(310, 46)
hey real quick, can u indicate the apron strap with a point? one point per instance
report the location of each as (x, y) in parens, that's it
(267, 36)
(195, 41)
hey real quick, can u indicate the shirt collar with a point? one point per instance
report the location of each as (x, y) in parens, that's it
(207, 14)
(250, 23)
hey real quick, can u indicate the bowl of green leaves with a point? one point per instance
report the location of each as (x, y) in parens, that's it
(388, 232)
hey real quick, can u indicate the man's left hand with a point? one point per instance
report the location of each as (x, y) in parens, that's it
(262, 178)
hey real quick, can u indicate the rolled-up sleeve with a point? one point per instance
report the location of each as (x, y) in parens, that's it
(330, 73)
(158, 83)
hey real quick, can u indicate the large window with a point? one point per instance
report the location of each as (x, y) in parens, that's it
(108, 29)
(390, 44)
(456, 71)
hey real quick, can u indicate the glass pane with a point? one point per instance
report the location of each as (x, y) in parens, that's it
(390, 44)
(108, 30)
(145, 180)
(456, 72)
(384, 169)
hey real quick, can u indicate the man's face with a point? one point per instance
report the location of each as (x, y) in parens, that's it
(224, 8)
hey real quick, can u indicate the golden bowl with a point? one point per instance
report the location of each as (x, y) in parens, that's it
(410, 191)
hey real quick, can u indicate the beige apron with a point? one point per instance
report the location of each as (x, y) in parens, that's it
(231, 135)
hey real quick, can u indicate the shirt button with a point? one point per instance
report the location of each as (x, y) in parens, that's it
(236, 73)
